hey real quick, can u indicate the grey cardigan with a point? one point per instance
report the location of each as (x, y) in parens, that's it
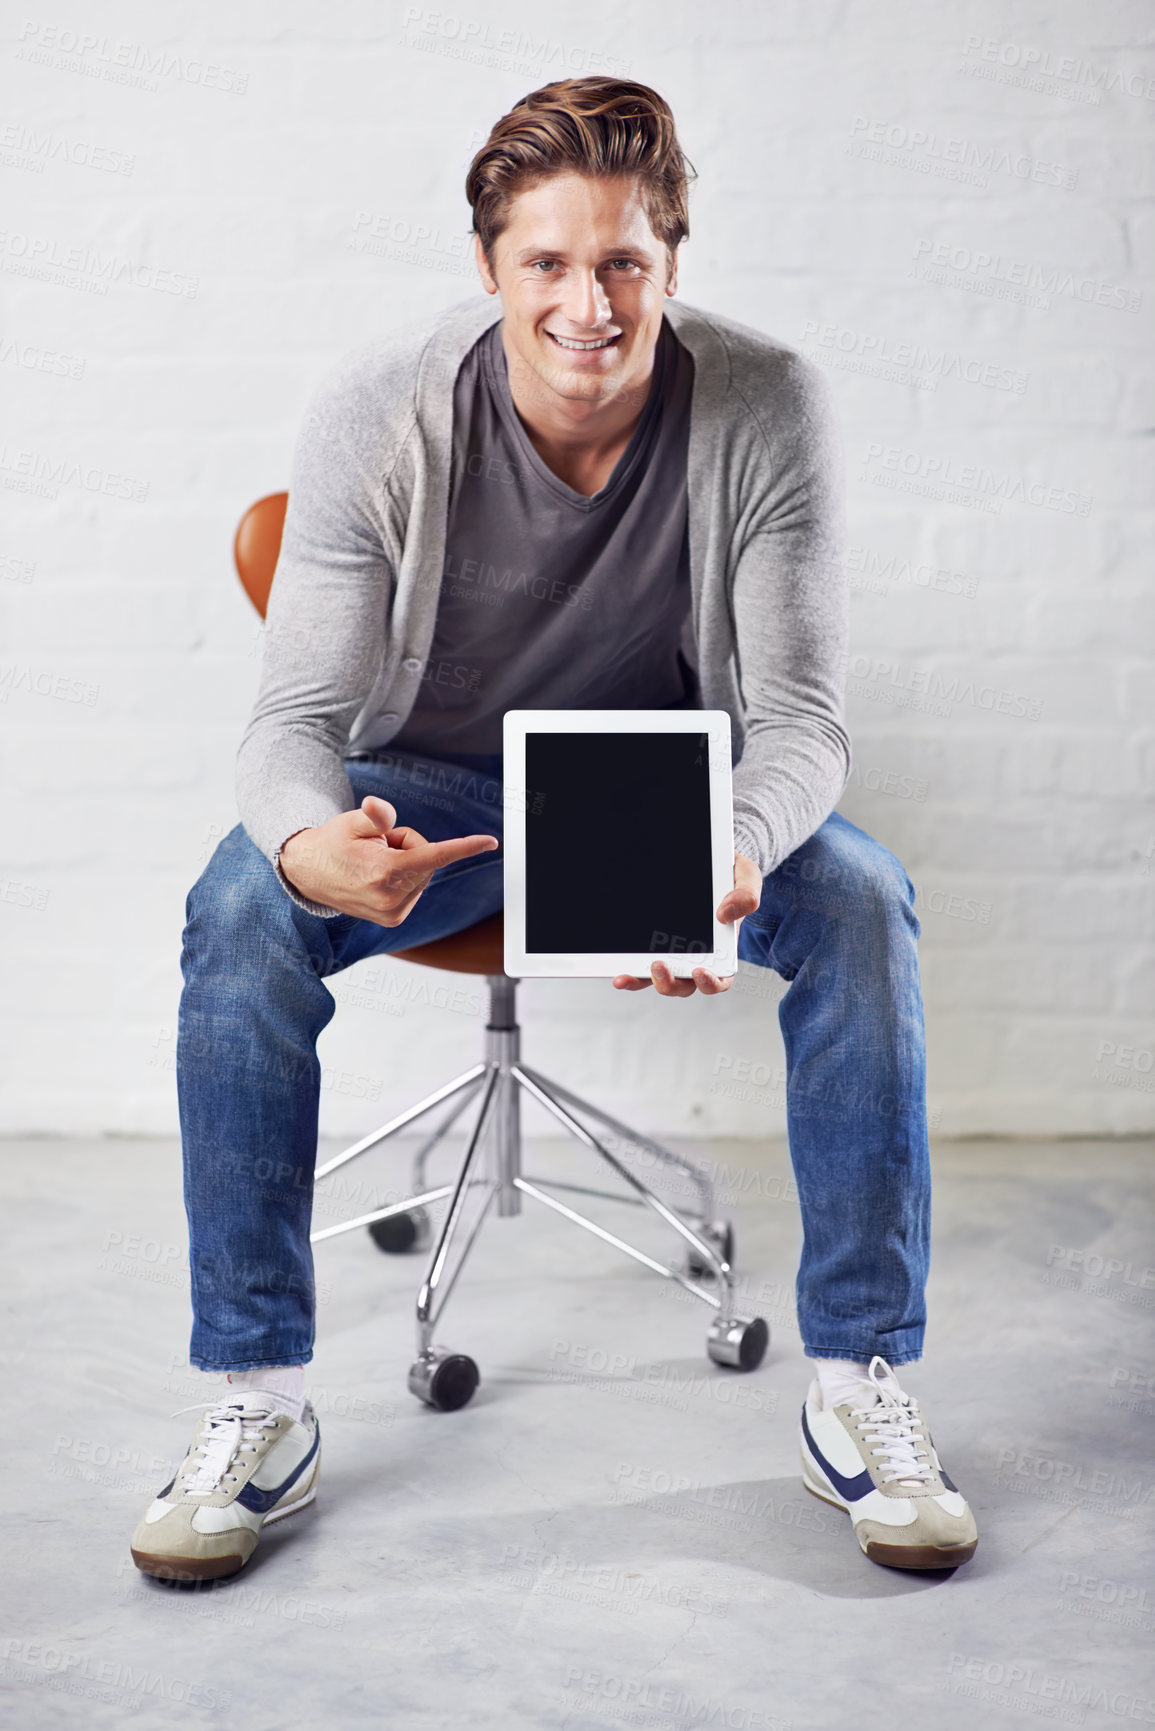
(353, 607)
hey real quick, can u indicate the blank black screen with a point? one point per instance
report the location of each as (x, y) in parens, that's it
(617, 832)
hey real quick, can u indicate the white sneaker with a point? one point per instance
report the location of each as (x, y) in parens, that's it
(249, 1465)
(872, 1456)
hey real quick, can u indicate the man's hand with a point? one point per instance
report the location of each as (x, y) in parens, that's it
(362, 865)
(734, 906)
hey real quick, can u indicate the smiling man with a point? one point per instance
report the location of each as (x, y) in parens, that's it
(575, 493)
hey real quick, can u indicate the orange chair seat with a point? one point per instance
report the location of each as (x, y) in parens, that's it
(479, 949)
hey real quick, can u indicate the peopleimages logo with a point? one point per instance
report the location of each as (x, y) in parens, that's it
(43, 682)
(120, 62)
(877, 780)
(960, 159)
(38, 1661)
(37, 471)
(907, 361)
(888, 681)
(34, 359)
(23, 147)
(1013, 1683)
(1024, 63)
(506, 49)
(941, 477)
(874, 571)
(647, 1701)
(996, 275)
(44, 257)
(1017, 1469)
(1116, 1601)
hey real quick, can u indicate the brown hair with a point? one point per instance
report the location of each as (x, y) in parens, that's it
(596, 126)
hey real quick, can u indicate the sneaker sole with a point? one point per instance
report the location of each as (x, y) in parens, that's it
(176, 1568)
(920, 1556)
(899, 1556)
(188, 1568)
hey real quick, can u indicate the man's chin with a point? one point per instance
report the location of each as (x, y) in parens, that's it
(589, 387)
(577, 384)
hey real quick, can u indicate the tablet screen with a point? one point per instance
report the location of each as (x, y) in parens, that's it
(617, 838)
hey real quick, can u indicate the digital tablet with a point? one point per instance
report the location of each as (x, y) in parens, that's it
(619, 841)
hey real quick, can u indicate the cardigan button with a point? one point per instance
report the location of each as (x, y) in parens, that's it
(412, 665)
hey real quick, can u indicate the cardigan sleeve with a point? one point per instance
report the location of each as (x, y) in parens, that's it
(326, 629)
(791, 614)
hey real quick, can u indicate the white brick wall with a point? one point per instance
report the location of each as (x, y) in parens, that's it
(870, 176)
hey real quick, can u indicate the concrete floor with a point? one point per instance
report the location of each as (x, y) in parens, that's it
(614, 1532)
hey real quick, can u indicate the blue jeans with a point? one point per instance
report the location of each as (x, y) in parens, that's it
(836, 919)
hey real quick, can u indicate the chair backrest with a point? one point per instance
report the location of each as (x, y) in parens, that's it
(257, 546)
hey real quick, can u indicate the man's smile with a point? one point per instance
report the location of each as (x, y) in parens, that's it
(576, 343)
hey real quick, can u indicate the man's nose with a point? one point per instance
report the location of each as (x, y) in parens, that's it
(587, 305)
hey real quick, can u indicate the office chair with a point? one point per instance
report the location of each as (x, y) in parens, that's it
(491, 1169)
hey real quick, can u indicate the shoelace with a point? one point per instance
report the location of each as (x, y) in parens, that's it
(228, 1430)
(896, 1429)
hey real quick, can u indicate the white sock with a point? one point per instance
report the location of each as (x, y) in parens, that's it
(284, 1384)
(842, 1379)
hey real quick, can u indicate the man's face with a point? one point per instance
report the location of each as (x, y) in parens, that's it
(582, 278)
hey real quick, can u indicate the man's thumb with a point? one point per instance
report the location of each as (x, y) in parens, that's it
(380, 813)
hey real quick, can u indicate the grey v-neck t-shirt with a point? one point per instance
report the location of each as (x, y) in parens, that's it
(550, 599)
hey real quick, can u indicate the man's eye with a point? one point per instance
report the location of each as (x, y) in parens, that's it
(625, 263)
(544, 264)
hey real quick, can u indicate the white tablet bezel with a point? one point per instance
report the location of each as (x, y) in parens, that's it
(715, 723)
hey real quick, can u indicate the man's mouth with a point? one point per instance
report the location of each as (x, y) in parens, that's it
(574, 343)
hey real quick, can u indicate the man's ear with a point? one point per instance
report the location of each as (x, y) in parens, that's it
(483, 270)
(672, 280)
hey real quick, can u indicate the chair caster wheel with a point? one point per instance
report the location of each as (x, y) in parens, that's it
(718, 1233)
(445, 1380)
(739, 1343)
(398, 1234)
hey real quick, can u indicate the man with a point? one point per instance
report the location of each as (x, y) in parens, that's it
(576, 493)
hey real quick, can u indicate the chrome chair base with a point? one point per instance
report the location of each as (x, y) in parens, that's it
(491, 1174)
